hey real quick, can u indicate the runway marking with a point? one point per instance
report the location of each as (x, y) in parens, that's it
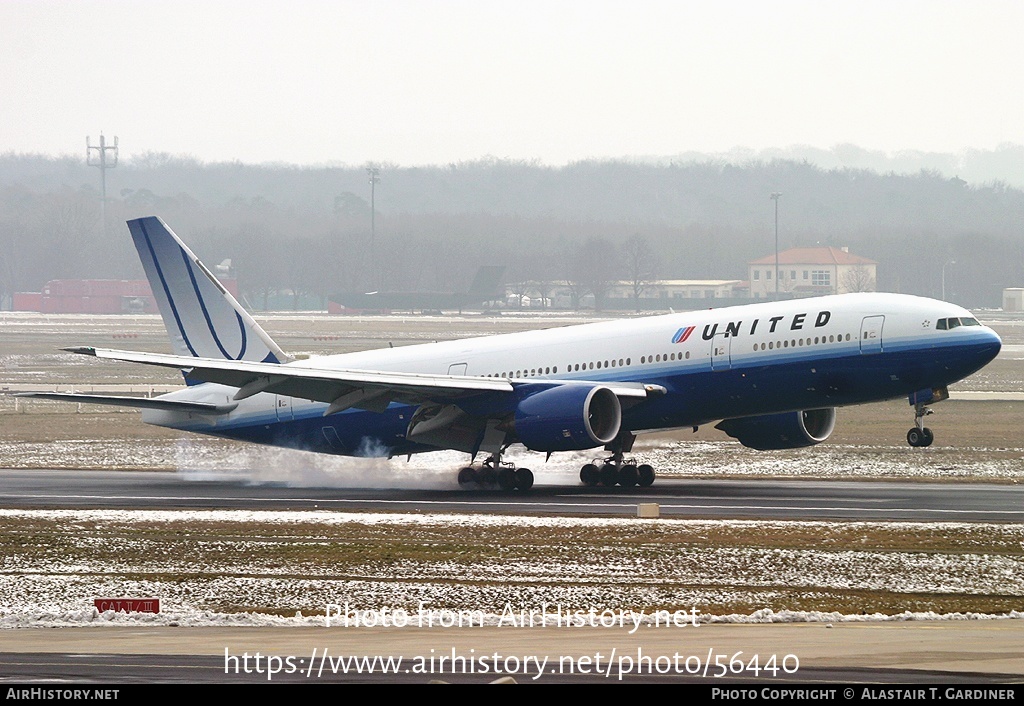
(527, 505)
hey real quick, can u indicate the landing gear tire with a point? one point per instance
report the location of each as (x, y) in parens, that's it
(914, 437)
(507, 479)
(467, 476)
(609, 475)
(628, 476)
(920, 437)
(486, 476)
(589, 475)
(523, 479)
(645, 475)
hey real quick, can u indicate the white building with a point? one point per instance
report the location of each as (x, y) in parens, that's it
(1013, 299)
(811, 271)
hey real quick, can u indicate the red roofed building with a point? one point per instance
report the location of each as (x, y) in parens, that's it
(95, 296)
(811, 271)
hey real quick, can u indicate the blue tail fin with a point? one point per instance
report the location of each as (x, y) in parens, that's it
(202, 318)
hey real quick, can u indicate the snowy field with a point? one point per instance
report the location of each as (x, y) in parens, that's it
(271, 568)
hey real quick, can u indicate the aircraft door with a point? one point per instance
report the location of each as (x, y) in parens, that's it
(283, 404)
(458, 368)
(871, 334)
(721, 352)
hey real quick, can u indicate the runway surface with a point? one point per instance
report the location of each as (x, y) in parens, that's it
(775, 499)
(974, 652)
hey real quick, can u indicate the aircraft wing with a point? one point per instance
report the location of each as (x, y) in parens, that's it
(341, 389)
(140, 402)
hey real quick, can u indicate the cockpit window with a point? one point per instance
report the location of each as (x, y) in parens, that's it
(954, 322)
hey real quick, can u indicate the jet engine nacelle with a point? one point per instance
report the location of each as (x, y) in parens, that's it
(790, 430)
(568, 418)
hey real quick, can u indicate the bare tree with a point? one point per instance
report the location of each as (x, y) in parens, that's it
(858, 279)
(593, 270)
(639, 261)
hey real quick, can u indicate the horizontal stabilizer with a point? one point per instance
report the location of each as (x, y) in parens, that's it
(139, 402)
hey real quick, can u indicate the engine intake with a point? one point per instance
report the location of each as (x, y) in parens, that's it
(789, 430)
(568, 418)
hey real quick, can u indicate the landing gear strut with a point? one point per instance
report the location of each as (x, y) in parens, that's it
(615, 469)
(493, 472)
(920, 435)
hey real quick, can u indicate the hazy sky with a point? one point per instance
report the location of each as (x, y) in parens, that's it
(437, 81)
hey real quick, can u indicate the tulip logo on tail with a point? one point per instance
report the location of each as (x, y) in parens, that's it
(682, 334)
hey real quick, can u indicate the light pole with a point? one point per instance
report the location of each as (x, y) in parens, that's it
(948, 263)
(775, 197)
(99, 153)
(374, 175)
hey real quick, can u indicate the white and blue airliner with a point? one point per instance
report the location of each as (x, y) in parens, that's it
(770, 375)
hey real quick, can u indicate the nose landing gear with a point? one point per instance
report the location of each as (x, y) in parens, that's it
(920, 435)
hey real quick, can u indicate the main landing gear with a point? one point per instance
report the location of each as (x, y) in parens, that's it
(609, 474)
(495, 472)
(614, 470)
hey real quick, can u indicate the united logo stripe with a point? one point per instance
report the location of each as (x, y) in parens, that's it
(682, 334)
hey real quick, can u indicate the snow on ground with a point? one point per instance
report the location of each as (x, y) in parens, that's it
(225, 578)
(199, 458)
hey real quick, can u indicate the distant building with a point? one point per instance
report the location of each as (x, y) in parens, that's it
(668, 290)
(95, 296)
(811, 271)
(656, 294)
(1013, 299)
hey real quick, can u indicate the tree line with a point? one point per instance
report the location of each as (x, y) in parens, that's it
(305, 231)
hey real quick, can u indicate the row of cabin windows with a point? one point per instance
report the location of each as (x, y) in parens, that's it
(793, 343)
(665, 357)
(593, 365)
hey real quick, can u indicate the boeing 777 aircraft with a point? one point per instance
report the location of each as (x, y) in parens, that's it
(771, 375)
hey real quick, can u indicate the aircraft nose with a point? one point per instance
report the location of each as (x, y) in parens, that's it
(990, 345)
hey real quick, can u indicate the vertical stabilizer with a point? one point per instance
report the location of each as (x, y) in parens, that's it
(201, 316)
